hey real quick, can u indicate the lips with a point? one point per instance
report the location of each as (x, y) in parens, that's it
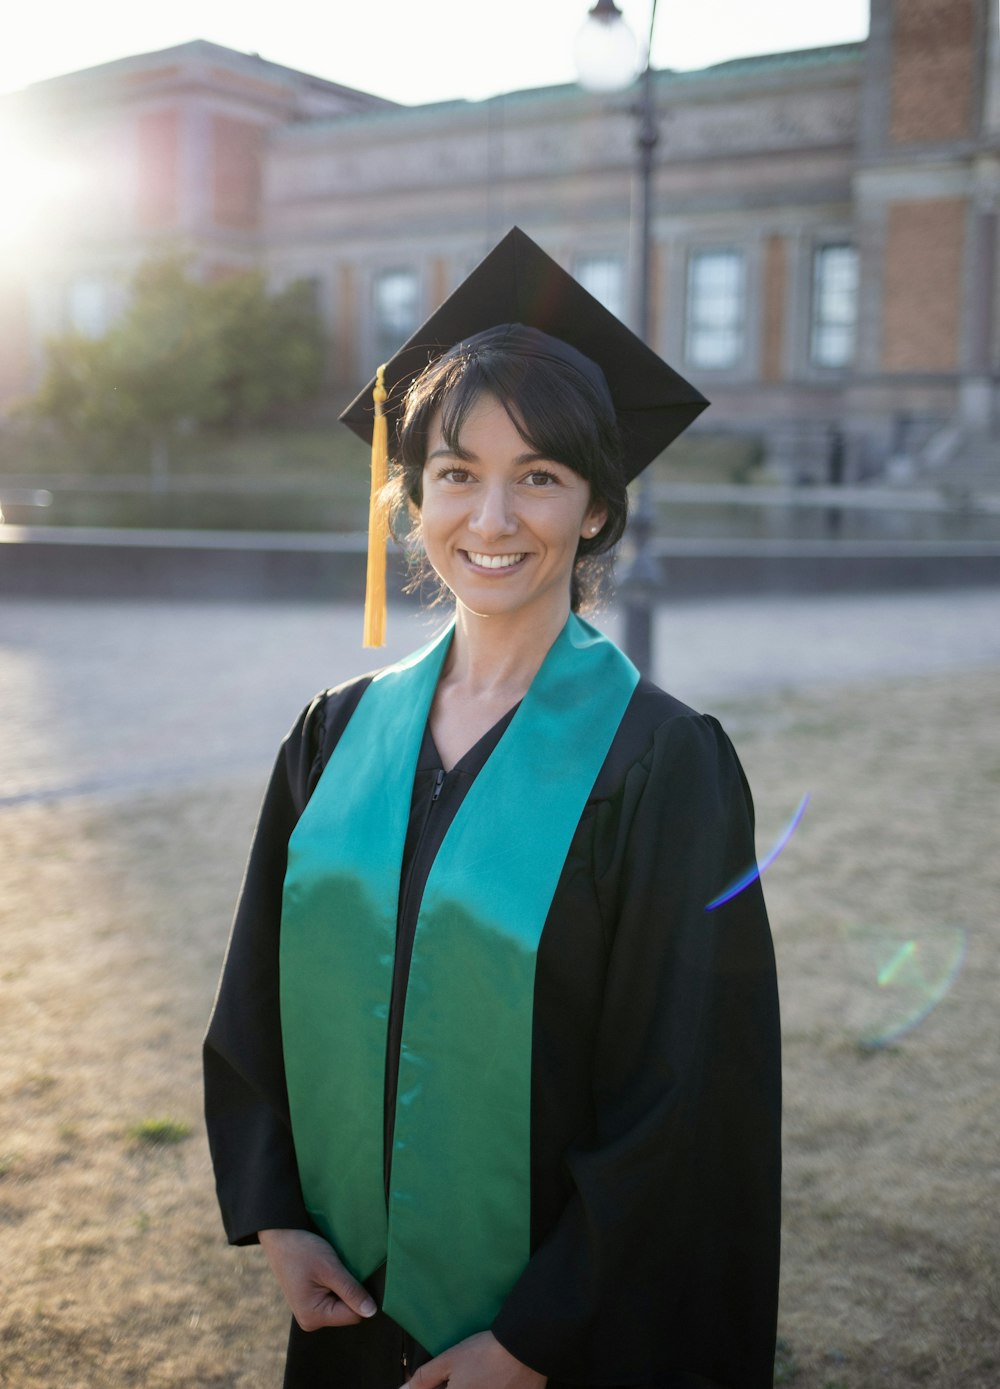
(482, 561)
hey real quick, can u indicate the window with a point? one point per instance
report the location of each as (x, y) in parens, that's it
(716, 308)
(158, 168)
(834, 305)
(396, 311)
(89, 307)
(236, 177)
(604, 278)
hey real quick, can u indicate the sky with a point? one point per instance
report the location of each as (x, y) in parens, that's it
(413, 51)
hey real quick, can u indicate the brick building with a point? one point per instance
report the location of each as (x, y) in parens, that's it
(167, 151)
(824, 225)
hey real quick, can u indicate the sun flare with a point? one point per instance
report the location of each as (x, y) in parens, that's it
(41, 186)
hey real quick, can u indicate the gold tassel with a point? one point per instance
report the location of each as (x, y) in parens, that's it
(378, 521)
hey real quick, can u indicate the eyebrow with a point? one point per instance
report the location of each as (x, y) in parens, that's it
(465, 457)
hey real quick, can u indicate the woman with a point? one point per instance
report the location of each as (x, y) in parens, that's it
(494, 1090)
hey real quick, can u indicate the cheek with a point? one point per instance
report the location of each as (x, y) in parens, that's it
(434, 521)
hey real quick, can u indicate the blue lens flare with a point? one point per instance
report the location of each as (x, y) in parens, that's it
(756, 869)
(891, 968)
(898, 978)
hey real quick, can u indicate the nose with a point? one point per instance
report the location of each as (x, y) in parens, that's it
(493, 517)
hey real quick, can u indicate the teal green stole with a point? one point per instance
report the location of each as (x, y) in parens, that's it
(455, 1236)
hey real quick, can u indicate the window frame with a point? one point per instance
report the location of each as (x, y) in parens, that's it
(604, 259)
(384, 339)
(90, 308)
(699, 324)
(820, 323)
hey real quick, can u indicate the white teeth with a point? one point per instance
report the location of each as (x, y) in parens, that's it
(494, 561)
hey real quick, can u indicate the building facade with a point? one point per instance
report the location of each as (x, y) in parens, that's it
(824, 223)
(148, 155)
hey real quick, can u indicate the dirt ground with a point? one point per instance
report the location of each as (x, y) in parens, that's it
(114, 912)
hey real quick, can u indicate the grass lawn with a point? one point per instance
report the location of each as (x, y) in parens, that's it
(114, 916)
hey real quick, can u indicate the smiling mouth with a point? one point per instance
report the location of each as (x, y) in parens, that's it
(493, 561)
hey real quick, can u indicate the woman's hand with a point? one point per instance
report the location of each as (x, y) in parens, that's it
(478, 1363)
(317, 1286)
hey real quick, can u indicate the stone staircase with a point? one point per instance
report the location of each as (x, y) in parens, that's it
(961, 462)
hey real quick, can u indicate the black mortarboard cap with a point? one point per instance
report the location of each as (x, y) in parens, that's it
(518, 283)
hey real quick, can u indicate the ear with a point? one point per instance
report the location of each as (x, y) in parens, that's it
(594, 520)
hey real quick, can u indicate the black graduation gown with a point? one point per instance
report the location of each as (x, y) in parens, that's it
(655, 1085)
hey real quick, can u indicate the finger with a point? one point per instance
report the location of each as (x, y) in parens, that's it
(338, 1313)
(431, 1375)
(352, 1293)
(325, 1309)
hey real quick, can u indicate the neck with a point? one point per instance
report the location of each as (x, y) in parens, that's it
(495, 655)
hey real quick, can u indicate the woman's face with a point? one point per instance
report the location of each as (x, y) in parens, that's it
(500, 523)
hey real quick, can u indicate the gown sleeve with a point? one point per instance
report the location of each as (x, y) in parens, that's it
(246, 1101)
(662, 1269)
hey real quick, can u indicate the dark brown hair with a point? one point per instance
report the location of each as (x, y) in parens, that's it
(554, 407)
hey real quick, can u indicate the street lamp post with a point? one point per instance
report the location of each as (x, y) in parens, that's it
(602, 58)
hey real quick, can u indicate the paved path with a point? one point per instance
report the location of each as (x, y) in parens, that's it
(112, 696)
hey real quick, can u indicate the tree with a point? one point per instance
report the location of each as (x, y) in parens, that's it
(272, 346)
(183, 353)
